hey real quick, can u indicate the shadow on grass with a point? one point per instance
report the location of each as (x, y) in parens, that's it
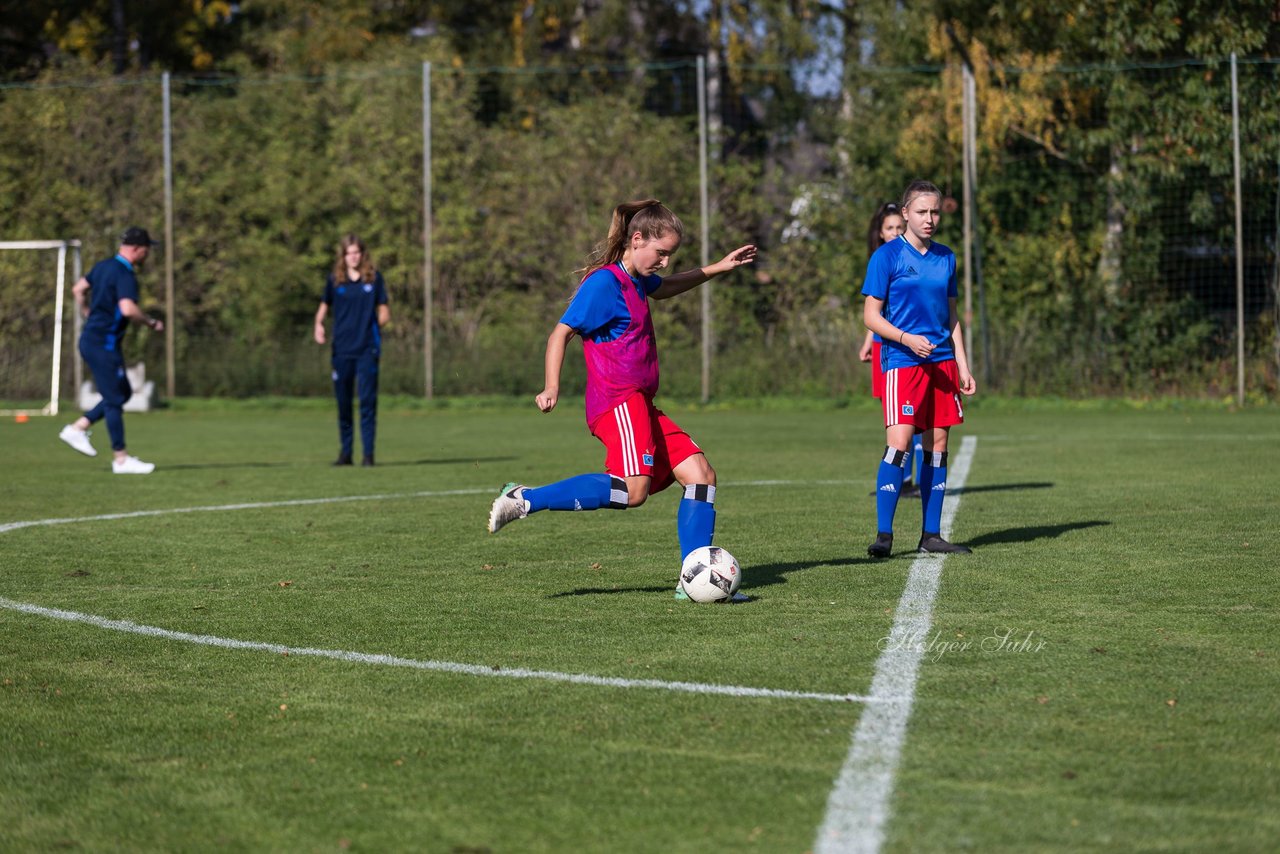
(997, 487)
(607, 591)
(1030, 533)
(754, 576)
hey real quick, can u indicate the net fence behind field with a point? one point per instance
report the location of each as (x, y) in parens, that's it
(1102, 256)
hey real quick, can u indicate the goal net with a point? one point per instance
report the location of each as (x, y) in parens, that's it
(31, 325)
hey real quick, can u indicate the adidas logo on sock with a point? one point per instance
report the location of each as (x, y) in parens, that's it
(888, 487)
(939, 486)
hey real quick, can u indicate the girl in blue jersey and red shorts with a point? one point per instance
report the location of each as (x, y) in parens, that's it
(886, 224)
(645, 451)
(910, 291)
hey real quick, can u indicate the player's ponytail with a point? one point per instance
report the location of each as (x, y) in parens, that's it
(650, 217)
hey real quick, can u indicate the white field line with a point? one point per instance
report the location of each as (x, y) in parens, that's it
(858, 807)
(389, 660)
(417, 664)
(256, 505)
(297, 502)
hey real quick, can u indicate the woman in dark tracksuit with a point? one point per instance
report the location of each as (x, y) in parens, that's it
(358, 296)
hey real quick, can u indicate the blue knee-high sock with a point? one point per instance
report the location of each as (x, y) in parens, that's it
(933, 487)
(696, 518)
(888, 488)
(583, 492)
(917, 458)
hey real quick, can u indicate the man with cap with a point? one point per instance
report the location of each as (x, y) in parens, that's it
(108, 300)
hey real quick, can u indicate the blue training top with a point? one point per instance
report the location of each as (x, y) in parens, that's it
(916, 289)
(110, 281)
(355, 315)
(598, 311)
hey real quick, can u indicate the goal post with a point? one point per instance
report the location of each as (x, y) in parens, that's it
(64, 248)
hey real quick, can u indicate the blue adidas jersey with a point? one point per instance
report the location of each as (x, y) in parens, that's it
(355, 315)
(916, 289)
(598, 311)
(110, 281)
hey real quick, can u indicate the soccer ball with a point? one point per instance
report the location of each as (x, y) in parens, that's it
(710, 574)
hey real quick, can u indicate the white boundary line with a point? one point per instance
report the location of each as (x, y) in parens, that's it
(379, 659)
(858, 807)
(259, 505)
(256, 505)
(417, 664)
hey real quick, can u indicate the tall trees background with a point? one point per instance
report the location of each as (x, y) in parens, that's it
(1105, 203)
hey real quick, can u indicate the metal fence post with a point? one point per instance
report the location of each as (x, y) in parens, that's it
(428, 311)
(1235, 144)
(706, 230)
(169, 361)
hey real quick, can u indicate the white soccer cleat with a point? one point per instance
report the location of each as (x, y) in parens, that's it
(507, 507)
(78, 439)
(132, 465)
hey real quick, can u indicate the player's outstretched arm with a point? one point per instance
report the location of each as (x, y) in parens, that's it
(556, 342)
(681, 282)
(128, 308)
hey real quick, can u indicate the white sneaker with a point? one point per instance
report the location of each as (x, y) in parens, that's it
(78, 439)
(508, 507)
(132, 465)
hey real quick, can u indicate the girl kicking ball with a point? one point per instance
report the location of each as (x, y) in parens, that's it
(645, 451)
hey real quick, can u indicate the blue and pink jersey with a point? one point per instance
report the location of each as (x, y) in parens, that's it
(917, 289)
(610, 312)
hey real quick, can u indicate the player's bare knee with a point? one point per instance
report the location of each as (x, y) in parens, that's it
(696, 470)
(637, 496)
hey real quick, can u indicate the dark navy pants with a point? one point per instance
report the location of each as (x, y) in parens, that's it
(107, 367)
(361, 372)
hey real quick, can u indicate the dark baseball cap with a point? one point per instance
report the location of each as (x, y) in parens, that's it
(134, 236)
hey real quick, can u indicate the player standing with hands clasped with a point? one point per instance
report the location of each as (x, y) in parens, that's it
(108, 299)
(645, 451)
(910, 291)
(886, 225)
(358, 295)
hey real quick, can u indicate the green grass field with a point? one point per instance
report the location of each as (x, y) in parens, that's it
(1123, 553)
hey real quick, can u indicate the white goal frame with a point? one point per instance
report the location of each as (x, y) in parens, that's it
(55, 373)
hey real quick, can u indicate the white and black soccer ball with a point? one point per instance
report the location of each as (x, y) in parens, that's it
(710, 574)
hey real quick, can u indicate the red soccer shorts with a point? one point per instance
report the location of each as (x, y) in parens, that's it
(923, 396)
(640, 439)
(877, 374)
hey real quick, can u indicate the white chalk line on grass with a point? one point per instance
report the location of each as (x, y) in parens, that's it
(858, 806)
(299, 502)
(255, 505)
(417, 664)
(390, 660)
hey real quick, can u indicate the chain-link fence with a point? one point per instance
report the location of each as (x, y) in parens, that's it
(1104, 257)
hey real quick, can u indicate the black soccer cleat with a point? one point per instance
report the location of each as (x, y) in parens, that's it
(343, 460)
(934, 544)
(882, 546)
(909, 490)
